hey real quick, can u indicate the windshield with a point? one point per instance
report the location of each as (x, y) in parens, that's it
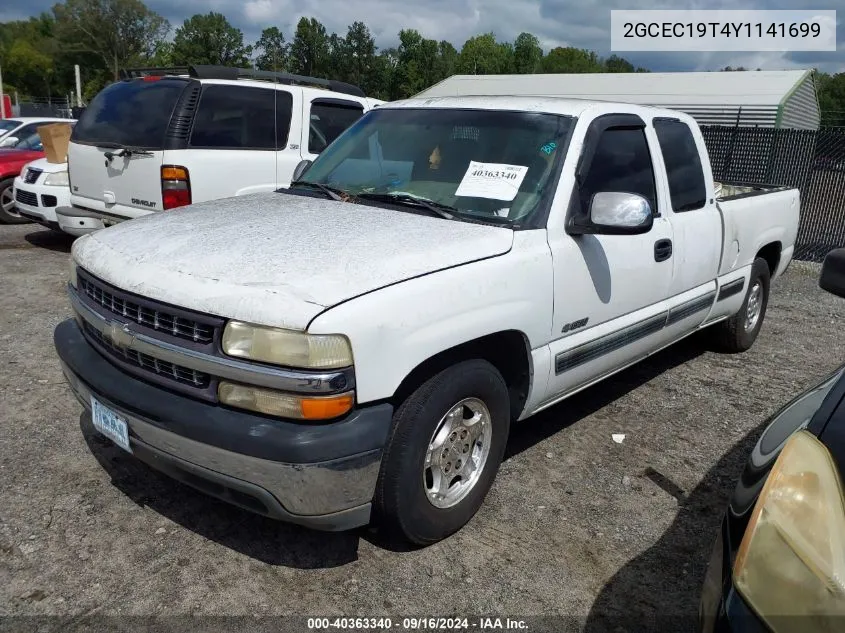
(483, 164)
(6, 125)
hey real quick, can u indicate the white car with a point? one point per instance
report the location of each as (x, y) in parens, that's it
(160, 141)
(13, 131)
(356, 347)
(39, 189)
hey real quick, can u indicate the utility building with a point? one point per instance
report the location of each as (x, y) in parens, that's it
(764, 99)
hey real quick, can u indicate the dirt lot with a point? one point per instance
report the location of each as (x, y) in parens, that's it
(606, 534)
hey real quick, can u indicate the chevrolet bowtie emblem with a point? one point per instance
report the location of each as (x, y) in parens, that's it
(121, 335)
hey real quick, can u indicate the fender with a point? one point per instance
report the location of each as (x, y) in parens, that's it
(422, 317)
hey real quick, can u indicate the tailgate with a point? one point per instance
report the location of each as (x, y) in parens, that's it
(115, 154)
(123, 186)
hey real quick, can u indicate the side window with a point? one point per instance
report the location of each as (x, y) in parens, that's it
(683, 165)
(284, 107)
(24, 134)
(32, 141)
(235, 117)
(329, 119)
(621, 163)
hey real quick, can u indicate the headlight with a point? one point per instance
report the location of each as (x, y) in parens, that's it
(286, 347)
(285, 405)
(58, 179)
(791, 561)
(73, 280)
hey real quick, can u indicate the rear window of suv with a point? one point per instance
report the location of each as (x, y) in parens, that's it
(130, 113)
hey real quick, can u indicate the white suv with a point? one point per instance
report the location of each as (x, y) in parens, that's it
(165, 138)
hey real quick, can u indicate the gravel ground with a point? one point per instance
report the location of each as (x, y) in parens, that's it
(606, 534)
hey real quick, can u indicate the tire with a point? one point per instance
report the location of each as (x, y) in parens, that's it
(402, 506)
(738, 334)
(8, 215)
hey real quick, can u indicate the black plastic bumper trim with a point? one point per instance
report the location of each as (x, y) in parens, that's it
(365, 429)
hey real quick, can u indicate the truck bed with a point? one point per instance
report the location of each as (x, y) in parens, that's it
(746, 210)
(734, 190)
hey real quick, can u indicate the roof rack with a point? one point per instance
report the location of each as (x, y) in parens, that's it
(134, 73)
(201, 71)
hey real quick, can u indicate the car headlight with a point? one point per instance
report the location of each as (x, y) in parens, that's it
(791, 561)
(286, 347)
(58, 179)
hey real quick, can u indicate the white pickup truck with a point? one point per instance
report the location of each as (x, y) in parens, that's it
(355, 348)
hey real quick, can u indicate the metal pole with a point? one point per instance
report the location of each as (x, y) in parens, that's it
(2, 98)
(78, 85)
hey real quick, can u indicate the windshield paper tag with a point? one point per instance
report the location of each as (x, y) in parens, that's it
(492, 180)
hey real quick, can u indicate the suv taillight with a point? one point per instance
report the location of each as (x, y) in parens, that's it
(175, 187)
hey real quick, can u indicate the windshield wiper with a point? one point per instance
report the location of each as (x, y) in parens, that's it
(335, 194)
(124, 150)
(441, 210)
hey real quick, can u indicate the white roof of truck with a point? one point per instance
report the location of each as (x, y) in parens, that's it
(550, 105)
(664, 89)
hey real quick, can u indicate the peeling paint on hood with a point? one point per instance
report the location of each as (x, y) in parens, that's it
(278, 259)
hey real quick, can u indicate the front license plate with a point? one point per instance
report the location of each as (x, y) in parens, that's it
(110, 424)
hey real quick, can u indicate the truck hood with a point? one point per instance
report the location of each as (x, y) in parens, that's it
(278, 259)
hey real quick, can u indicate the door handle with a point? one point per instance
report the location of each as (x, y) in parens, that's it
(662, 250)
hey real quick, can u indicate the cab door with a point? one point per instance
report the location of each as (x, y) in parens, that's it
(697, 225)
(610, 290)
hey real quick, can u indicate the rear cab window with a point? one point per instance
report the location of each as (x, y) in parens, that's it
(241, 117)
(133, 113)
(329, 119)
(687, 187)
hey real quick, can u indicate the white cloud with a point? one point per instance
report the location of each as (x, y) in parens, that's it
(257, 11)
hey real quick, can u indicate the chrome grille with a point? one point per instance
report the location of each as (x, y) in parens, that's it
(26, 197)
(184, 375)
(153, 318)
(32, 175)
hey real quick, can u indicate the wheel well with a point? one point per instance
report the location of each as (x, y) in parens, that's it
(507, 351)
(771, 253)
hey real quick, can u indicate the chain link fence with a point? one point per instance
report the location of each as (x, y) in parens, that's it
(811, 160)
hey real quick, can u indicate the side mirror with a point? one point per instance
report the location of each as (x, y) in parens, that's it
(614, 213)
(832, 277)
(300, 169)
(9, 141)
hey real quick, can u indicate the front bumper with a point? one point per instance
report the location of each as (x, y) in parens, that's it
(44, 215)
(321, 476)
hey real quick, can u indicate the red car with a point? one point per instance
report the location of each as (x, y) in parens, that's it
(12, 162)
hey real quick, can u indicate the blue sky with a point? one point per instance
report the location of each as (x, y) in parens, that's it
(581, 23)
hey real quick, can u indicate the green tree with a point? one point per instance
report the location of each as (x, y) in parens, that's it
(483, 55)
(360, 51)
(30, 69)
(831, 91)
(616, 64)
(447, 60)
(210, 39)
(571, 60)
(416, 64)
(272, 50)
(119, 32)
(309, 51)
(527, 54)
(337, 64)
